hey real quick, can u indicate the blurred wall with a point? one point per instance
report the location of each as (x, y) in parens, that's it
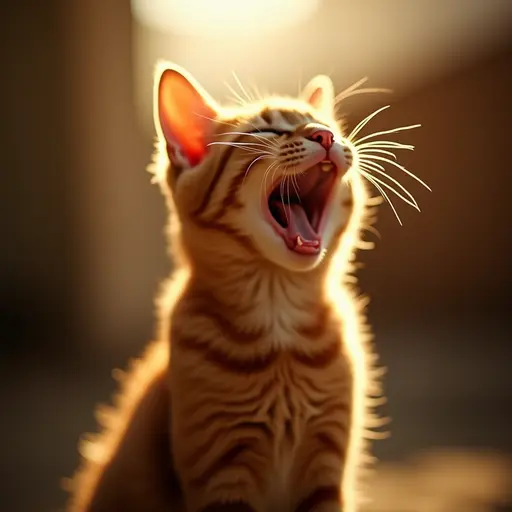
(38, 235)
(121, 216)
(83, 228)
(454, 256)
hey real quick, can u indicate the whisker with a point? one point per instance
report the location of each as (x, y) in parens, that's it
(366, 90)
(412, 202)
(236, 96)
(392, 130)
(267, 170)
(354, 90)
(275, 170)
(384, 144)
(281, 191)
(263, 140)
(253, 151)
(264, 181)
(242, 88)
(234, 143)
(257, 95)
(350, 88)
(214, 120)
(252, 163)
(365, 121)
(398, 166)
(372, 164)
(288, 191)
(250, 148)
(382, 192)
(380, 169)
(296, 186)
(370, 151)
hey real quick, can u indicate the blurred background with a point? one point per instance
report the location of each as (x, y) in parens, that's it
(83, 250)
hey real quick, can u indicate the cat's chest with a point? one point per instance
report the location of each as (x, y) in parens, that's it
(297, 399)
(282, 323)
(287, 417)
(299, 394)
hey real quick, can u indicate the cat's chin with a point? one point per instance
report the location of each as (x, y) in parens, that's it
(280, 255)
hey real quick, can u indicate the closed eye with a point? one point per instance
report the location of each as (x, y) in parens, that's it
(271, 130)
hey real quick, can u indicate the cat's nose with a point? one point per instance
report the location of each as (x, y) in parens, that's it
(323, 136)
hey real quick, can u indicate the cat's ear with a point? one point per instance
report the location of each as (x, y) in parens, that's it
(319, 93)
(184, 115)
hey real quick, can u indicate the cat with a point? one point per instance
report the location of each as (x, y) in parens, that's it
(259, 393)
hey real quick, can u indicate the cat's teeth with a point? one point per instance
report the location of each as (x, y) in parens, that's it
(326, 165)
(299, 241)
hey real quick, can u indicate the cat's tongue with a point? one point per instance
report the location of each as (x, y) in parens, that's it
(301, 238)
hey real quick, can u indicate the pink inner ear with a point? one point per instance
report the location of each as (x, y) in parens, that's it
(315, 99)
(185, 116)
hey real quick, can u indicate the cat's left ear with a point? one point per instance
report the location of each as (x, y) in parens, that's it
(184, 115)
(319, 93)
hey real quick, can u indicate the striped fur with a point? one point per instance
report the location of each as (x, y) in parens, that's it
(264, 395)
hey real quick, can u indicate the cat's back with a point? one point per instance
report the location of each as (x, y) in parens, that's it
(128, 467)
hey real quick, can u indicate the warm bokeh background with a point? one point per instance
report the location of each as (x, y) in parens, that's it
(82, 228)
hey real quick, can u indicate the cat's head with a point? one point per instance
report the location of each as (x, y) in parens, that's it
(272, 179)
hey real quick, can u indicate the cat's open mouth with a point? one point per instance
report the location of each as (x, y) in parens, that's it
(297, 206)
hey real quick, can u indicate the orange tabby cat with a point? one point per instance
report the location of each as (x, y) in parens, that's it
(256, 396)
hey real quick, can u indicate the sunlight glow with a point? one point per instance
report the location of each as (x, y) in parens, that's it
(222, 18)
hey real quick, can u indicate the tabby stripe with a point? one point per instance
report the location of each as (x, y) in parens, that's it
(266, 115)
(199, 294)
(226, 417)
(311, 384)
(327, 446)
(230, 200)
(292, 117)
(233, 506)
(318, 328)
(244, 427)
(320, 359)
(217, 357)
(209, 444)
(218, 173)
(243, 240)
(228, 459)
(291, 296)
(332, 424)
(326, 405)
(320, 496)
(235, 404)
(331, 444)
(228, 330)
(289, 423)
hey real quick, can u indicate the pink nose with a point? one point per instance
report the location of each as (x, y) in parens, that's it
(323, 137)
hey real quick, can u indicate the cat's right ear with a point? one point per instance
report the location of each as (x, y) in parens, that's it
(319, 93)
(184, 115)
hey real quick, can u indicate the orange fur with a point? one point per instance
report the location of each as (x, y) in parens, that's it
(270, 375)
